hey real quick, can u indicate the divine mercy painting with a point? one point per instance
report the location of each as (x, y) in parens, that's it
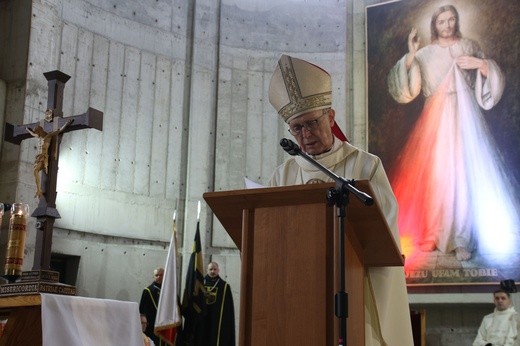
(444, 116)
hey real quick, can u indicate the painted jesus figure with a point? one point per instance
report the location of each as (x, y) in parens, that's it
(451, 186)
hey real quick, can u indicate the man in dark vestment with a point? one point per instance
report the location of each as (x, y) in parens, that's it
(148, 305)
(220, 318)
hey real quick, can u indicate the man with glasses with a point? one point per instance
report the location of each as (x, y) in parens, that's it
(301, 93)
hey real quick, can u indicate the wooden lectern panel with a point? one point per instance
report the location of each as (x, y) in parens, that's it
(289, 277)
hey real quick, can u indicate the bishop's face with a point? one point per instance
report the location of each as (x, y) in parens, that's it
(315, 131)
(445, 24)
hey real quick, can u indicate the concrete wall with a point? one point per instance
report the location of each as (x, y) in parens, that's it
(183, 88)
(122, 184)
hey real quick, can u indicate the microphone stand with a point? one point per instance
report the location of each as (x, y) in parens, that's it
(338, 196)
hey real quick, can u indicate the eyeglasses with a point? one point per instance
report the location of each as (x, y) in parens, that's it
(310, 125)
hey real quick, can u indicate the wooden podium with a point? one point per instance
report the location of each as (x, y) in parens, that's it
(290, 270)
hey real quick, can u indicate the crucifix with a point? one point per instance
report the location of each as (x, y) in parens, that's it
(49, 131)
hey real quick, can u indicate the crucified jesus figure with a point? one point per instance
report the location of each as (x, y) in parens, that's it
(41, 161)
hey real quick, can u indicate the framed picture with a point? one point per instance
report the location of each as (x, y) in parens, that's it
(444, 117)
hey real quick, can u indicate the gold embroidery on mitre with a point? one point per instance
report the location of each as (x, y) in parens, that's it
(298, 103)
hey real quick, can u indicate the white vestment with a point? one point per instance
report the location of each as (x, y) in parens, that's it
(387, 314)
(498, 328)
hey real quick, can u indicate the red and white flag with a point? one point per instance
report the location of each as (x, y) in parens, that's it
(168, 311)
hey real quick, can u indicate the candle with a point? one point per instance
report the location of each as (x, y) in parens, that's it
(16, 241)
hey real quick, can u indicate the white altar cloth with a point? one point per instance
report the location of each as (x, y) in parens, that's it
(79, 321)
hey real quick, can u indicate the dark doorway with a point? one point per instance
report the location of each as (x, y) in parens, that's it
(67, 266)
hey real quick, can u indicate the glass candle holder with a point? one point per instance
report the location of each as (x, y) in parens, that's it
(16, 241)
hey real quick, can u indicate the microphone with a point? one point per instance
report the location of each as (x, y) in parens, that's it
(290, 147)
(344, 185)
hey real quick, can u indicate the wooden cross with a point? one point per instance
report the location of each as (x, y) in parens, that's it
(50, 131)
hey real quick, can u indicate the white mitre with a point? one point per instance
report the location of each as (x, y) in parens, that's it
(298, 87)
